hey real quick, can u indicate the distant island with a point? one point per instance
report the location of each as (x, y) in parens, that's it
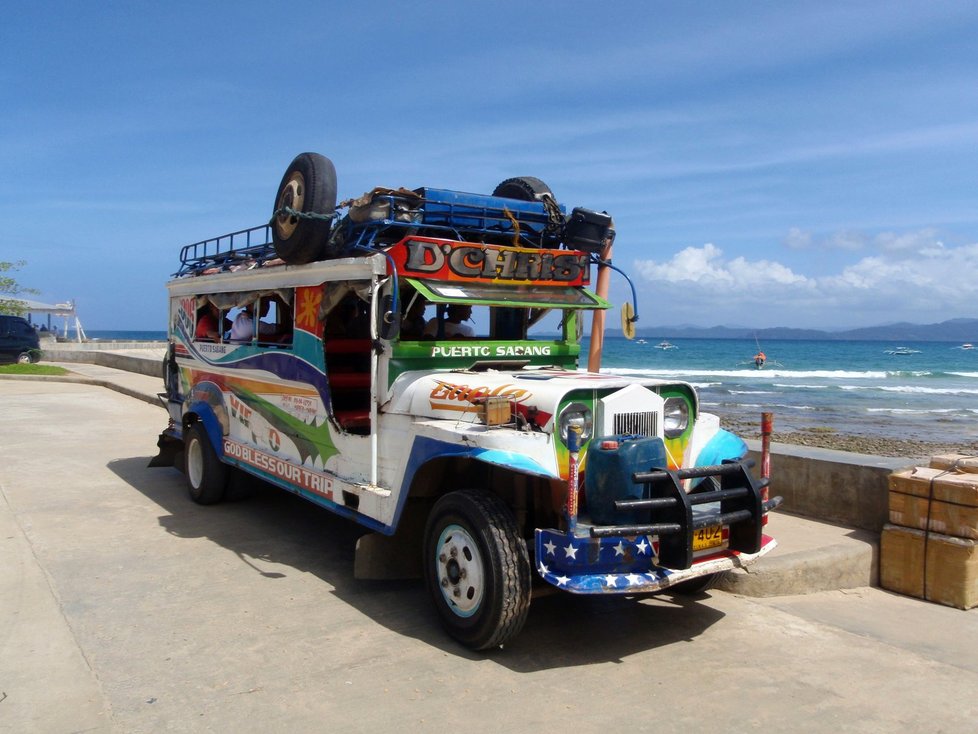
(962, 330)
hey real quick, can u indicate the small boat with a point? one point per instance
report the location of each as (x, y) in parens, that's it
(901, 351)
(641, 341)
(967, 345)
(666, 345)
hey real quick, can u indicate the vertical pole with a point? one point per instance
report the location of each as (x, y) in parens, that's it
(598, 316)
(767, 428)
(573, 450)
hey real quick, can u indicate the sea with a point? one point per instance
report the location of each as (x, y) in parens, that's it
(928, 392)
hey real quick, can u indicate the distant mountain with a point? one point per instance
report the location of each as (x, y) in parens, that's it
(953, 330)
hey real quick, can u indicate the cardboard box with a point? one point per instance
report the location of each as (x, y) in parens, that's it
(955, 462)
(946, 518)
(949, 576)
(954, 487)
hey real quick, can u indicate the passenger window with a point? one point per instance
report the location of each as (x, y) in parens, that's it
(275, 321)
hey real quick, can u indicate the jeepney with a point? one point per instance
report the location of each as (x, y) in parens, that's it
(488, 463)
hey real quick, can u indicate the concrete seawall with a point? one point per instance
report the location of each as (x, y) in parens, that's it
(832, 486)
(143, 358)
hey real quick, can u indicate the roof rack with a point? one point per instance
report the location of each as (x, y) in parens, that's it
(253, 245)
(387, 218)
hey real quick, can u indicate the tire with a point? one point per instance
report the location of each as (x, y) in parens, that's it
(477, 568)
(524, 188)
(698, 585)
(24, 358)
(206, 474)
(309, 187)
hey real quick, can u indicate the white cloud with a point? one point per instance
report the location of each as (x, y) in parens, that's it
(914, 278)
(705, 266)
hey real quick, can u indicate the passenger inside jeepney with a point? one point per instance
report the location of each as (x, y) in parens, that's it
(207, 316)
(413, 322)
(275, 322)
(243, 328)
(450, 325)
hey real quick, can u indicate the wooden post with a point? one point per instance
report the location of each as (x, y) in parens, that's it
(601, 288)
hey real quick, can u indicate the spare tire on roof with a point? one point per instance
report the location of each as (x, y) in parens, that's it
(307, 188)
(525, 188)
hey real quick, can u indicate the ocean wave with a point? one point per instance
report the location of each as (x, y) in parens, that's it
(912, 389)
(964, 374)
(753, 392)
(788, 386)
(762, 374)
(913, 411)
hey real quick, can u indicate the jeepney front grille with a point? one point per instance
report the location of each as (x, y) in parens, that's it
(636, 424)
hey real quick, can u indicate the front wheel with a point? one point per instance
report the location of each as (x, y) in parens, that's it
(24, 358)
(697, 585)
(477, 568)
(206, 473)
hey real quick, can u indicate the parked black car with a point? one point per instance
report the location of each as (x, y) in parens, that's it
(19, 341)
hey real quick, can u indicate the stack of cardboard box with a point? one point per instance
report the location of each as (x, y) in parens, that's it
(930, 547)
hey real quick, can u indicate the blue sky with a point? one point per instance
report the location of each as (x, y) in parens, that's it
(767, 163)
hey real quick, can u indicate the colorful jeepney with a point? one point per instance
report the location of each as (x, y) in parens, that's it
(486, 463)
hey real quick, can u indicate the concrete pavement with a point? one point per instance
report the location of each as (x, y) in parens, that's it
(124, 607)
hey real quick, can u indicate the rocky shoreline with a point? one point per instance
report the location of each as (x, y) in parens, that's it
(830, 438)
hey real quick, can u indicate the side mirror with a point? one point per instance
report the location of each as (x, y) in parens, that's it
(628, 320)
(389, 323)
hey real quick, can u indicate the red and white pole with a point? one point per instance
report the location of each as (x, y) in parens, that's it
(767, 428)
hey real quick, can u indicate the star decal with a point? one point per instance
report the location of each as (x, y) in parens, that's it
(571, 552)
(611, 580)
(551, 548)
(642, 547)
(544, 570)
(562, 580)
(633, 579)
(620, 548)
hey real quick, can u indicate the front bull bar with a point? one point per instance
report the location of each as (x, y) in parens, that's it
(741, 507)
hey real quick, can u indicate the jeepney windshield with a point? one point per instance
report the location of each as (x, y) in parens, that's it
(528, 294)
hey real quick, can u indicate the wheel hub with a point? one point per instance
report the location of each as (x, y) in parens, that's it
(293, 196)
(460, 570)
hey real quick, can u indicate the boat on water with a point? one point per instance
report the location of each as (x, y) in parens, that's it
(641, 341)
(666, 345)
(901, 351)
(967, 345)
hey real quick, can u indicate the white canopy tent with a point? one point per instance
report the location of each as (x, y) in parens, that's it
(60, 310)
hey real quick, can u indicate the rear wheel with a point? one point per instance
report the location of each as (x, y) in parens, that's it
(24, 358)
(477, 568)
(308, 187)
(206, 473)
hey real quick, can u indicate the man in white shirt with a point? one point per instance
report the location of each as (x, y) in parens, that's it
(243, 328)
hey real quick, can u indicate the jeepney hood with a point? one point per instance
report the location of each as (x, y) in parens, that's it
(455, 395)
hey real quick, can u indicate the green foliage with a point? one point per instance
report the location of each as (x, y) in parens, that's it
(32, 369)
(10, 289)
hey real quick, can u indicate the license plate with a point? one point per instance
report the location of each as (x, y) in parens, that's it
(709, 537)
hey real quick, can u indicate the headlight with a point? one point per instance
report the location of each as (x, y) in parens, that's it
(676, 418)
(575, 414)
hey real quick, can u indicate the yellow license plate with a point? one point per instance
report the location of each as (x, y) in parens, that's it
(709, 537)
